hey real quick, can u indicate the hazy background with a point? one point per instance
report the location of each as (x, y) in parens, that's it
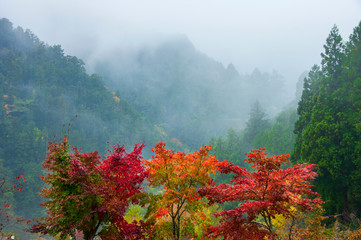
(281, 35)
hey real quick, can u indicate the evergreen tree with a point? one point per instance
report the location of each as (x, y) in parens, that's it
(334, 54)
(256, 124)
(279, 138)
(327, 129)
(305, 106)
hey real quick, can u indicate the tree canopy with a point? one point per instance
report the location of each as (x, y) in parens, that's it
(328, 127)
(267, 191)
(85, 194)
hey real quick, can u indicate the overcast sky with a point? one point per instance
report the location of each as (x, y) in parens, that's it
(282, 35)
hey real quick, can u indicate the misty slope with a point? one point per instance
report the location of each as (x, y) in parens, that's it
(40, 90)
(186, 94)
(167, 91)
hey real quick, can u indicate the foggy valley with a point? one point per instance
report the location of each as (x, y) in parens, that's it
(138, 112)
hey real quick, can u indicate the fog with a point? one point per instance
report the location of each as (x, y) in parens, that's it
(183, 72)
(281, 35)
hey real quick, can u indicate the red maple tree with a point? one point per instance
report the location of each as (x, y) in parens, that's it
(7, 218)
(123, 173)
(262, 194)
(84, 193)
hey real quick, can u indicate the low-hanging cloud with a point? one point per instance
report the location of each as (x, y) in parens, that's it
(283, 35)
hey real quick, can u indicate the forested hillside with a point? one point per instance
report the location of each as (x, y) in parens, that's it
(40, 90)
(188, 95)
(172, 92)
(328, 130)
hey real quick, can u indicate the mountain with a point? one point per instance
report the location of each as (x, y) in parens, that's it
(41, 90)
(185, 93)
(167, 91)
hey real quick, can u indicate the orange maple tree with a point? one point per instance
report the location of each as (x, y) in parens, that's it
(262, 194)
(178, 206)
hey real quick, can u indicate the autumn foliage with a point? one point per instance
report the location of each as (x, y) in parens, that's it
(8, 219)
(83, 193)
(90, 195)
(175, 210)
(268, 191)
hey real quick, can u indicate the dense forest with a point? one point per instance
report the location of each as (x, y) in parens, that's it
(41, 90)
(209, 115)
(183, 91)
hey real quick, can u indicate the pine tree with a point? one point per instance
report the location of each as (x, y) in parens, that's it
(328, 127)
(255, 125)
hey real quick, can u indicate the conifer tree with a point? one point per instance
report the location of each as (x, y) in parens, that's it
(328, 127)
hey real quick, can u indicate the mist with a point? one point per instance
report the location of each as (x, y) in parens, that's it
(285, 36)
(234, 75)
(191, 65)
